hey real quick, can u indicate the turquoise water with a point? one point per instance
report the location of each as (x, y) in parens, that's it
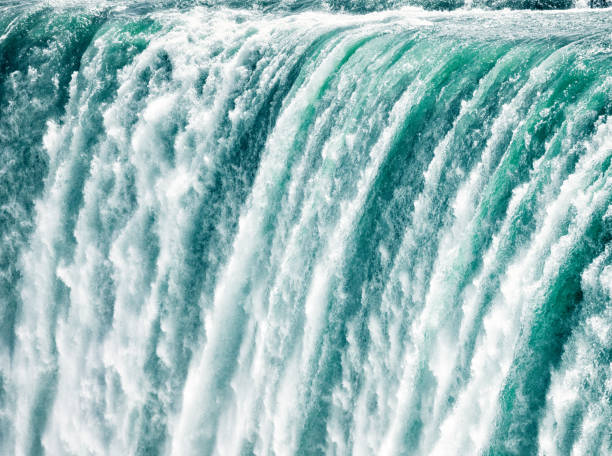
(290, 229)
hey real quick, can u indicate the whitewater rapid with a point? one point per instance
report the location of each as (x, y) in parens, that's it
(231, 232)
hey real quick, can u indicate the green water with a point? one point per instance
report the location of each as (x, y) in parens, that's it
(292, 229)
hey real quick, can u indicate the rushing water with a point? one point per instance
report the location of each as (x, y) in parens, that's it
(291, 230)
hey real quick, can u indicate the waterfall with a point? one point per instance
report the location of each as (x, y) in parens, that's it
(305, 228)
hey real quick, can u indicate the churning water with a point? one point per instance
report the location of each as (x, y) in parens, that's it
(305, 228)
